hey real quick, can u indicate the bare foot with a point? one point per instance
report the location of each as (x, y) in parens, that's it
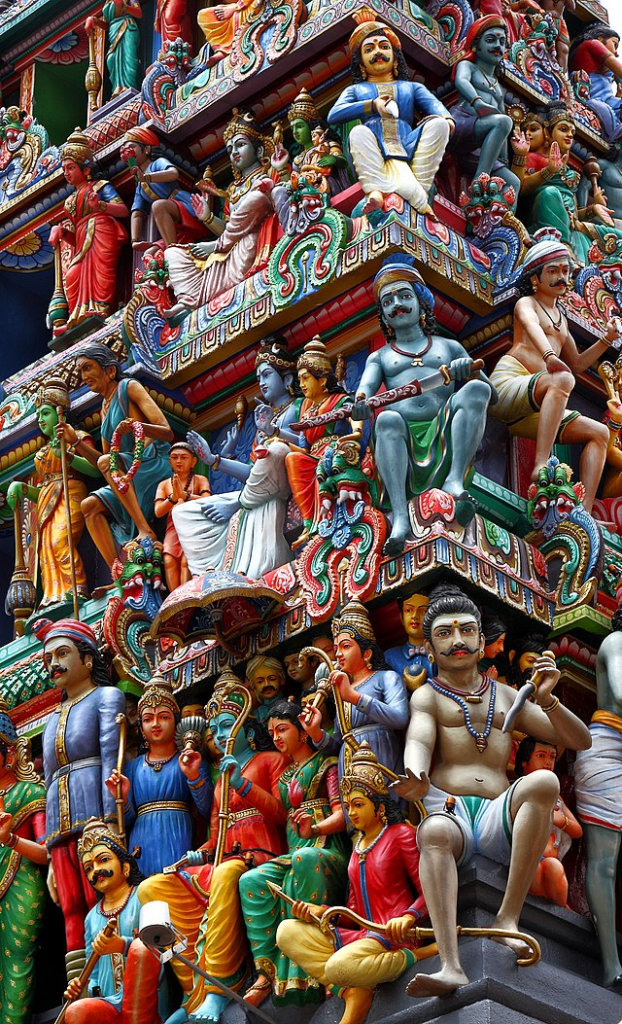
(177, 310)
(518, 946)
(397, 538)
(440, 984)
(373, 202)
(428, 211)
(146, 533)
(358, 1001)
(259, 990)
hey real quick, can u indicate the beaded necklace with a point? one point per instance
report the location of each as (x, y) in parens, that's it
(117, 910)
(158, 765)
(363, 853)
(416, 357)
(481, 738)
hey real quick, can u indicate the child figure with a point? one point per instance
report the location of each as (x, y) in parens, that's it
(183, 485)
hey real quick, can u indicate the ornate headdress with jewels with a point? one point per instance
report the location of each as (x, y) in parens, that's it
(78, 147)
(303, 108)
(277, 356)
(53, 392)
(96, 833)
(364, 773)
(244, 123)
(355, 621)
(230, 697)
(158, 695)
(315, 358)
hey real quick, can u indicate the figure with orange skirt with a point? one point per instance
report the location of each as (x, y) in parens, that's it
(93, 233)
(203, 898)
(322, 394)
(221, 24)
(53, 542)
(183, 485)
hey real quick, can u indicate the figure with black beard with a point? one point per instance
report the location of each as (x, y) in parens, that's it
(431, 440)
(123, 985)
(521, 651)
(80, 746)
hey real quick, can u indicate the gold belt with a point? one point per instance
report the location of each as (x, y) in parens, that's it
(162, 805)
(235, 816)
(309, 805)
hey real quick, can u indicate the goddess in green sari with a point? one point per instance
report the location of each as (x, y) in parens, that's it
(314, 868)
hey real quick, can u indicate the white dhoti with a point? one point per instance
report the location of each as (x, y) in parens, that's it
(252, 542)
(412, 181)
(597, 778)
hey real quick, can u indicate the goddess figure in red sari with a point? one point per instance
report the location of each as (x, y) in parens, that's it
(94, 235)
(322, 393)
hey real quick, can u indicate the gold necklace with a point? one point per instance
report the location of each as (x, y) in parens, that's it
(557, 326)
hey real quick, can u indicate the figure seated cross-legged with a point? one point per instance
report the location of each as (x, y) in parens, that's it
(384, 889)
(388, 154)
(456, 725)
(124, 401)
(429, 440)
(535, 379)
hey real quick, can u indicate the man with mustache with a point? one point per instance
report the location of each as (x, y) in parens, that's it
(535, 379)
(456, 726)
(431, 440)
(389, 155)
(123, 985)
(266, 678)
(80, 745)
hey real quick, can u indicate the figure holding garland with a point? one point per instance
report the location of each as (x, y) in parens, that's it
(124, 402)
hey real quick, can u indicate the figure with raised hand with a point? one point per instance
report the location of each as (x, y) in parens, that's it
(388, 154)
(160, 788)
(314, 867)
(123, 985)
(126, 406)
(535, 379)
(320, 156)
(53, 544)
(384, 890)
(430, 440)
(253, 516)
(184, 485)
(22, 885)
(80, 748)
(374, 699)
(203, 896)
(482, 125)
(456, 747)
(550, 878)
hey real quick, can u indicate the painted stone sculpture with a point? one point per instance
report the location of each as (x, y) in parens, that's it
(247, 231)
(535, 379)
(157, 192)
(512, 824)
(596, 52)
(411, 660)
(482, 124)
(173, 22)
(384, 900)
(550, 878)
(597, 773)
(125, 402)
(373, 698)
(265, 677)
(80, 746)
(120, 18)
(429, 441)
(184, 485)
(159, 788)
(53, 547)
(243, 530)
(253, 816)
(388, 154)
(93, 233)
(22, 885)
(221, 23)
(315, 865)
(123, 985)
(320, 157)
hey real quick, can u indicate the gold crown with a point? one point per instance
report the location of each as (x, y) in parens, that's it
(230, 697)
(315, 358)
(158, 695)
(96, 832)
(54, 392)
(242, 122)
(303, 108)
(355, 621)
(78, 147)
(364, 772)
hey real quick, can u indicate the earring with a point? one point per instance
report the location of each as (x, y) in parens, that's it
(251, 743)
(383, 818)
(431, 658)
(395, 69)
(368, 663)
(481, 652)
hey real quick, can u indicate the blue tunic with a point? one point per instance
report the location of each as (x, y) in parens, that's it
(144, 197)
(409, 657)
(80, 746)
(102, 976)
(396, 139)
(164, 834)
(378, 718)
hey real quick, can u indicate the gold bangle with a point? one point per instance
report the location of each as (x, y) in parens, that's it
(550, 707)
(11, 842)
(216, 463)
(315, 829)
(519, 161)
(208, 217)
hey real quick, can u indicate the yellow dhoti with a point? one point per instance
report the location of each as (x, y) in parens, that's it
(363, 963)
